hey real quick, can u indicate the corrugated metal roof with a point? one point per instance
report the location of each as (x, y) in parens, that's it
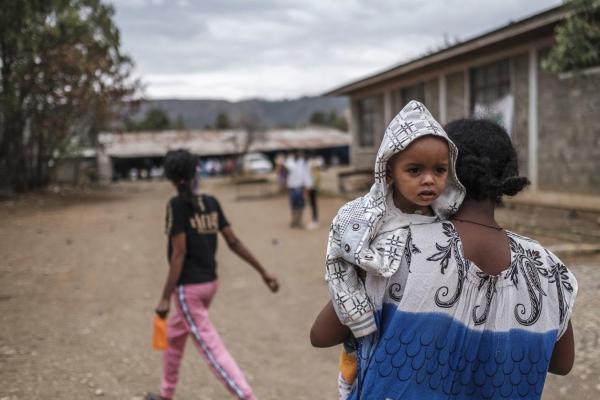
(214, 143)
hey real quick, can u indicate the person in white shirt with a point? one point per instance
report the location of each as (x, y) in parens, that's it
(298, 181)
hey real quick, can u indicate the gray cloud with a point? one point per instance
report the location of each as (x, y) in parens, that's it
(270, 48)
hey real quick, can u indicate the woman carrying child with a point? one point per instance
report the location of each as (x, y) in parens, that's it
(474, 311)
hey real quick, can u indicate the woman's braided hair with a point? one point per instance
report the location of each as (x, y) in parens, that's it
(180, 168)
(487, 161)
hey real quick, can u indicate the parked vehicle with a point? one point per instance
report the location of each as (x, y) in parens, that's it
(256, 163)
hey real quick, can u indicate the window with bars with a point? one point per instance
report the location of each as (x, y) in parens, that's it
(370, 116)
(489, 83)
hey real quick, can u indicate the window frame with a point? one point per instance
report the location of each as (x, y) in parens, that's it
(369, 118)
(489, 82)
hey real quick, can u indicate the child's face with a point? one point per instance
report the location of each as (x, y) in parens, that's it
(419, 173)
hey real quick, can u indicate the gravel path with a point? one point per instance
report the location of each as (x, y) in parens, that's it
(80, 275)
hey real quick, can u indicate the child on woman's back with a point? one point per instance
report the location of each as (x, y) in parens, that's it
(415, 183)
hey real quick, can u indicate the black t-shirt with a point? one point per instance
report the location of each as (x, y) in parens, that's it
(201, 228)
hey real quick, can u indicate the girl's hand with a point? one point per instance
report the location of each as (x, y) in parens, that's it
(163, 308)
(270, 281)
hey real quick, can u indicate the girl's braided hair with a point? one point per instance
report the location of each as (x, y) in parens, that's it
(180, 168)
(487, 161)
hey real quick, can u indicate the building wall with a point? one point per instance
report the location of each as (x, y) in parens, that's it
(455, 96)
(520, 91)
(432, 97)
(568, 124)
(75, 171)
(360, 157)
(569, 132)
(364, 160)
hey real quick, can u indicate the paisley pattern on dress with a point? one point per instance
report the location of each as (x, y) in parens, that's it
(559, 275)
(409, 250)
(526, 266)
(489, 281)
(450, 249)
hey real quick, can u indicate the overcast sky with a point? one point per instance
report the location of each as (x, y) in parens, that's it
(285, 49)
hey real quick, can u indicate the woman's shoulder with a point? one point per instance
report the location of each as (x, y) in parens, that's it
(546, 262)
(522, 239)
(523, 247)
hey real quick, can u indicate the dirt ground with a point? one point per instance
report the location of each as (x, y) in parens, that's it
(80, 275)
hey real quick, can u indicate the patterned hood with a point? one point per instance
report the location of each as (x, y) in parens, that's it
(413, 122)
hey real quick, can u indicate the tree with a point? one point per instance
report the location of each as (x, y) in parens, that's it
(156, 119)
(179, 123)
(253, 131)
(337, 121)
(331, 119)
(222, 122)
(318, 118)
(577, 38)
(61, 74)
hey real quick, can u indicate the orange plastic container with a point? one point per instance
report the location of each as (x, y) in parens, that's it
(348, 366)
(159, 338)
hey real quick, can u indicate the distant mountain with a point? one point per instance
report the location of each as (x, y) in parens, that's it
(198, 114)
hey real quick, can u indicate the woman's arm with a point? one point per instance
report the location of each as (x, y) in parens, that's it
(238, 248)
(563, 355)
(178, 244)
(327, 330)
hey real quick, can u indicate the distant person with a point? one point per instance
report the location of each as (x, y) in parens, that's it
(281, 172)
(229, 167)
(298, 182)
(192, 224)
(314, 167)
(474, 311)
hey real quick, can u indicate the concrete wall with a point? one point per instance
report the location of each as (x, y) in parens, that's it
(455, 92)
(364, 160)
(520, 91)
(432, 97)
(75, 171)
(569, 132)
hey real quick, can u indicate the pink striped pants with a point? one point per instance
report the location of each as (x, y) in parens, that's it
(191, 317)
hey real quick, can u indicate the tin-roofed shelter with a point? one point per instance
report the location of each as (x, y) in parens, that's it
(144, 150)
(554, 120)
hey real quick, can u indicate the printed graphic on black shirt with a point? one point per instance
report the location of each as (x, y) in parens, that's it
(201, 224)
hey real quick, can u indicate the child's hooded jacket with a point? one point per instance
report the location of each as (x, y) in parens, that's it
(359, 222)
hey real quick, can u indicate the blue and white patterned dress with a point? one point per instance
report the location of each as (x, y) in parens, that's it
(447, 330)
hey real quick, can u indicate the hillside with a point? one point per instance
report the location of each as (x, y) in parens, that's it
(198, 114)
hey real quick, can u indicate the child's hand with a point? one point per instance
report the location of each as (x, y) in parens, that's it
(271, 282)
(163, 308)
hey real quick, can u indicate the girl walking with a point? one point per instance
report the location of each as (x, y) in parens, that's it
(192, 224)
